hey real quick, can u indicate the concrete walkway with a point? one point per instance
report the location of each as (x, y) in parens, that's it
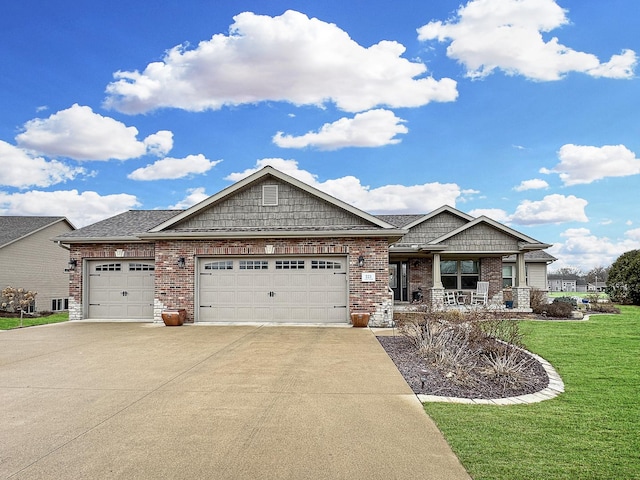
(142, 401)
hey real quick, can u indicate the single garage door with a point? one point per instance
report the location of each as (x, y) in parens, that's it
(121, 290)
(283, 290)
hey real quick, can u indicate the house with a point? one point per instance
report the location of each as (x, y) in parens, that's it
(558, 283)
(271, 248)
(28, 259)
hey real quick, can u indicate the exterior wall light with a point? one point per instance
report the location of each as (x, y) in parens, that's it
(182, 262)
(361, 261)
(73, 263)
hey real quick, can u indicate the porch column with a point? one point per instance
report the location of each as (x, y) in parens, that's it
(521, 292)
(521, 273)
(437, 290)
(437, 279)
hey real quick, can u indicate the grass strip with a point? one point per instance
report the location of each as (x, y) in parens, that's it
(9, 323)
(589, 432)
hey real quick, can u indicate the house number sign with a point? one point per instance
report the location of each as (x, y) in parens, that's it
(368, 276)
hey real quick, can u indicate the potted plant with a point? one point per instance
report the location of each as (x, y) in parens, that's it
(360, 319)
(507, 294)
(174, 317)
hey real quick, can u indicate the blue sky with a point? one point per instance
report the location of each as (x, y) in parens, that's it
(522, 110)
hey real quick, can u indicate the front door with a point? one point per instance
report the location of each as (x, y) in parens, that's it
(398, 280)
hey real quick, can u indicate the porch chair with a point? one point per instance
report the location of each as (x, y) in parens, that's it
(481, 295)
(450, 297)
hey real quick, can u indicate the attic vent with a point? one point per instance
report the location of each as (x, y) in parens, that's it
(269, 195)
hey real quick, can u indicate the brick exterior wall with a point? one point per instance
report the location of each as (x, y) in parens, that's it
(175, 287)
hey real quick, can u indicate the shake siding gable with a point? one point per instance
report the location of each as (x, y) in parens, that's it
(482, 237)
(295, 208)
(433, 228)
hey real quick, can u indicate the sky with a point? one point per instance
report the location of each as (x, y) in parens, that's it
(525, 111)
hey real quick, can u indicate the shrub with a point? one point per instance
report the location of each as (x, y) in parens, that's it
(559, 310)
(538, 300)
(568, 300)
(14, 300)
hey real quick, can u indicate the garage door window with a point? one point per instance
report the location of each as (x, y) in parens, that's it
(254, 264)
(221, 265)
(109, 267)
(325, 265)
(289, 264)
(141, 267)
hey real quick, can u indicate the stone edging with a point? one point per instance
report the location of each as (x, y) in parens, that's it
(555, 388)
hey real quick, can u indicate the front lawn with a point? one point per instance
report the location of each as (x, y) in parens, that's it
(9, 323)
(589, 432)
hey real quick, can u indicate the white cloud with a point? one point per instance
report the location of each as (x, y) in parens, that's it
(194, 195)
(533, 184)
(159, 143)
(585, 164)
(289, 58)
(374, 128)
(551, 209)
(386, 199)
(81, 134)
(507, 34)
(80, 208)
(169, 168)
(585, 250)
(21, 170)
(496, 214)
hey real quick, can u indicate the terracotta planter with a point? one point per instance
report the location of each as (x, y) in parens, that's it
(174, 317)
(360, 319)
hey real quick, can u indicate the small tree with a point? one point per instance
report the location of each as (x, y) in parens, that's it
(16, 300)
(623, 283)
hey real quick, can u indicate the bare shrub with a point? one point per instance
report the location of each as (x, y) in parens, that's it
(559, 310)
(538, 300)
(471, 347)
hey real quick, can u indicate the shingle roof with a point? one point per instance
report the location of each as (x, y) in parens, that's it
(13, 228)
(127, 224)
(400, 220)
(535, 256)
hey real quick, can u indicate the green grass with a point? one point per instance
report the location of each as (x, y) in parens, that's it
(592, 431)
(9, 323)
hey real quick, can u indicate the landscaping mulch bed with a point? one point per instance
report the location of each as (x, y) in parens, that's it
(413, 367)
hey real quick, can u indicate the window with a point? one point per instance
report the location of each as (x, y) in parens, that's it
(325, 265)
(289, 264)
(460, 274)
(254, 264)
(508, 276)
(109, 267)
(220, 265)
(141, 267)
(58, 304)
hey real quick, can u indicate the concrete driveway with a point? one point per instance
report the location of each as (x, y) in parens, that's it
(145, 401)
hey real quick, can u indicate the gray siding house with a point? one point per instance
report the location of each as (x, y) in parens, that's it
(271, 248)
(29, 259)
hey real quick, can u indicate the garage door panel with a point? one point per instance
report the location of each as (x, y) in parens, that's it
(274, 290)
(121, 289)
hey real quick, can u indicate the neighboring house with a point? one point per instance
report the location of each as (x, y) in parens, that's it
(271, 248)
(28, 259)
(560, 284)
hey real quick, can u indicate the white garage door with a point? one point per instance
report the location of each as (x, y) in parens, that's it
(121, 290)
(283, 290)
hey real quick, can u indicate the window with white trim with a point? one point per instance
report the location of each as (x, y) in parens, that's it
(460, 274)
(58, 304)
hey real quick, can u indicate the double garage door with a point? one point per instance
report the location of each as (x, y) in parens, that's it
(282, 290)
